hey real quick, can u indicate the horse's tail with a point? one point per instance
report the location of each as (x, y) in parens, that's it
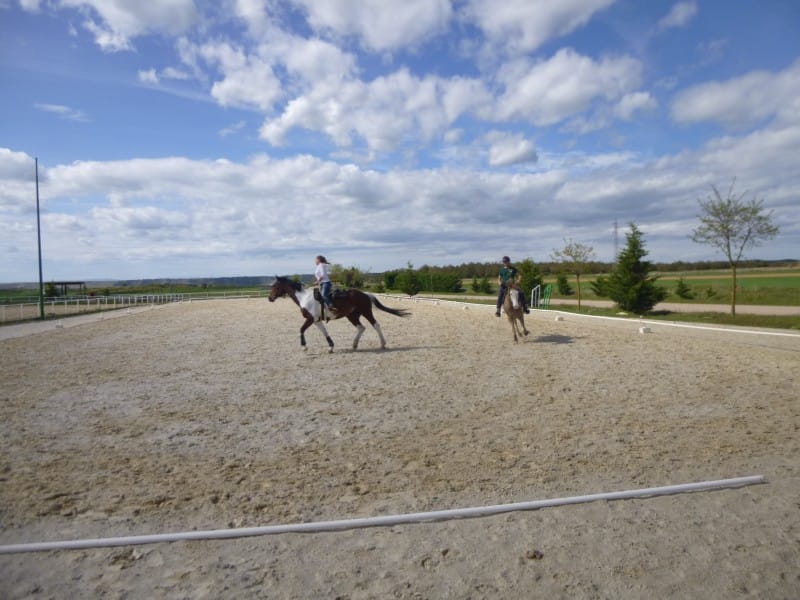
(398, 312)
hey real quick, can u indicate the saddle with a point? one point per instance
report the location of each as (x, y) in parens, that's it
(335, 293)
(324, 307)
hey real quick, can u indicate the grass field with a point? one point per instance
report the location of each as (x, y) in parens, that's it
(758, 286)
(715, 318)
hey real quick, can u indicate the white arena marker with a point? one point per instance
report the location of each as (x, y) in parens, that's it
(559, 318)
(645, 330)
(386, 521)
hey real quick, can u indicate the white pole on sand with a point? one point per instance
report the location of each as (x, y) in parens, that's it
(390, 520)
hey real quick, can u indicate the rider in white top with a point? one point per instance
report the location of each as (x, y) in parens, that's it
(322, 273)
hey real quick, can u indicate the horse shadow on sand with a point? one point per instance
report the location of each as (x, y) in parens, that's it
(386, 350)
(554, 339)
(391, 349)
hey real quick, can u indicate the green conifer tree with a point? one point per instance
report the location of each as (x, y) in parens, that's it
(629, 284)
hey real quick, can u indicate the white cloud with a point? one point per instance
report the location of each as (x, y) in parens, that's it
(389, 109)
(247, 80)
(149, 76)
(195, 217)
(603, 113)
(15, 165)
(742, 101)
(253, 13)
(107, 38)
(309, 60)
(173, 73)
(255, 85)
(17, 191)
(632, 103)
(521, 27)
(379, 27)
(248, 75)
(65, 112)
(550, 91)
(381, 112)
(318, 80)
(453, 136)
(679, 15)
(236, 127)
(461, 95)
(509, 149)
(120, 21)
(138, 221)
(30, 5)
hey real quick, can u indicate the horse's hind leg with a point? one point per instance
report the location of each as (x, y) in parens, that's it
(524, 329)
(377, 326)
(353, 318)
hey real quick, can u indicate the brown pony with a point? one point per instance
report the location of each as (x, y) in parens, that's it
(512, 305)
(351, 303)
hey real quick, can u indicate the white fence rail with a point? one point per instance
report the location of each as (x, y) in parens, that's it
(74, 305)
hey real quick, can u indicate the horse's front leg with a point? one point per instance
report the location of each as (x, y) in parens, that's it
(306, 324)
(324, 331)
(513, 326)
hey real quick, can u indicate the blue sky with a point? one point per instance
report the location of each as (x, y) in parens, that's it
(189, 138)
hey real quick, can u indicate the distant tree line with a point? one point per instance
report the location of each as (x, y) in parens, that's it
(731, 223)
(472, 270)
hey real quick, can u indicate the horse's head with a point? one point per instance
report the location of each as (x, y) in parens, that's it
(512, 295)
(283, 286)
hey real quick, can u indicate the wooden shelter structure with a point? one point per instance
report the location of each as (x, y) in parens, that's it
(63, 286)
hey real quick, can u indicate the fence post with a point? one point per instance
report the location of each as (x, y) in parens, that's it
(535, 292)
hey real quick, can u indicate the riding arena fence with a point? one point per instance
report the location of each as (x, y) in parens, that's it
(75, 305)
(540, 298)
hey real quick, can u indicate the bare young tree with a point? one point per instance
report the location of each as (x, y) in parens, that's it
(733, 225)
(577, 255)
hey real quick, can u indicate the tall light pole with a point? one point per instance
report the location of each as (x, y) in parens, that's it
(39, 240)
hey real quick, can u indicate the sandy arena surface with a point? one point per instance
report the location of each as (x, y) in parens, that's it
(207, 415)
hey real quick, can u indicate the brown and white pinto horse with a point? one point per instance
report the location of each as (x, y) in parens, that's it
(512, 305)
(351, 303)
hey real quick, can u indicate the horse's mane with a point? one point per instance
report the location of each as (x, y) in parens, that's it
(289, 281)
